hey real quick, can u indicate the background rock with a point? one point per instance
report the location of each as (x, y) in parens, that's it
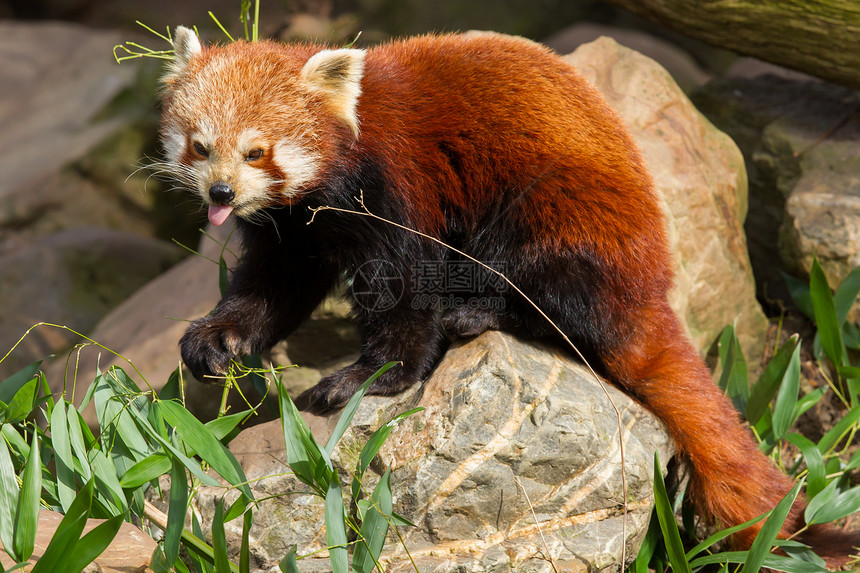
(70, 278)
(508, 428)
(801, 140)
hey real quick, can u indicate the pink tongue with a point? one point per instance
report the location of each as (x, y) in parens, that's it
(218, 214)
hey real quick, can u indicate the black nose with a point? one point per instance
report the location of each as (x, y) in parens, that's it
(221, 193)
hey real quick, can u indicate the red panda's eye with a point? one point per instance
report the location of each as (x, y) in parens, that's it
(255, 154)
(198, 147)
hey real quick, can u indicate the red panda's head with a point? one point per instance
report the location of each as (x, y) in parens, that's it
(247, 125)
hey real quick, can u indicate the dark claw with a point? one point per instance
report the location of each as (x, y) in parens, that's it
(204, 351)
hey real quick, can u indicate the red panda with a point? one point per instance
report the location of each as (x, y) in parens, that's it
(489, 143)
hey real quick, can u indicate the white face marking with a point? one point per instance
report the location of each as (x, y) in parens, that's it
(173, 142)
(248, 140)
(298, 164)
(206, 135)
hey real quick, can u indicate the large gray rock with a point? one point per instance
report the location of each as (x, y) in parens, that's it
(801, 141)
(514, 438)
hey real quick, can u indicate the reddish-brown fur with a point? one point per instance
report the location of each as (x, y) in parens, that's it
(497, 146)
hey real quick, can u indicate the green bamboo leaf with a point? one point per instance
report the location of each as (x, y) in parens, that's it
(829, 329)
(63, 461)
(374, 527)
(671, 535)
(816, 480)
(401, 521)
(208, 447)
(8, 499)
(77, 428)
(734, 379)
(68, 533)
(648, 547)
(27, 512)
(802, 552)
(371, 448)
(201, 554)
(765, 388)
(219, 540)
(175, 511)
(171, 389)
(761, 545)
(335, 527)
(851, 335)
(189, 463)
(849, 371)
(808, 401)
(149, 468)
(846, 295)
(245, 548)
(108, 487)
(838, 431)
(799, 291)
(116, 399)
(158, 562)
(221, 427)
(92, 544)
(23, 402)
(786, 396)
(722, 534)
(349, 410)
(238, 508)
(831, 504)
(304, 454)
(288, 563)
(11, 385)
(774, 562)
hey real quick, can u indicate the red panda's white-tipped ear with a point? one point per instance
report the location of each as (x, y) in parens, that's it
(337, 74)
(185, 45)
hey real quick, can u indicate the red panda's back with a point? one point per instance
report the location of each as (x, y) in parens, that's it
(472, 116)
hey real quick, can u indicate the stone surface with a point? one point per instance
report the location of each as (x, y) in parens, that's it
(56, 78)
(511, 432)
(129, 552)
(700, 177)
(71, 278)
(801, 141)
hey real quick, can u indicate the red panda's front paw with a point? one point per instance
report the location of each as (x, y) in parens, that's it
(208, 347)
